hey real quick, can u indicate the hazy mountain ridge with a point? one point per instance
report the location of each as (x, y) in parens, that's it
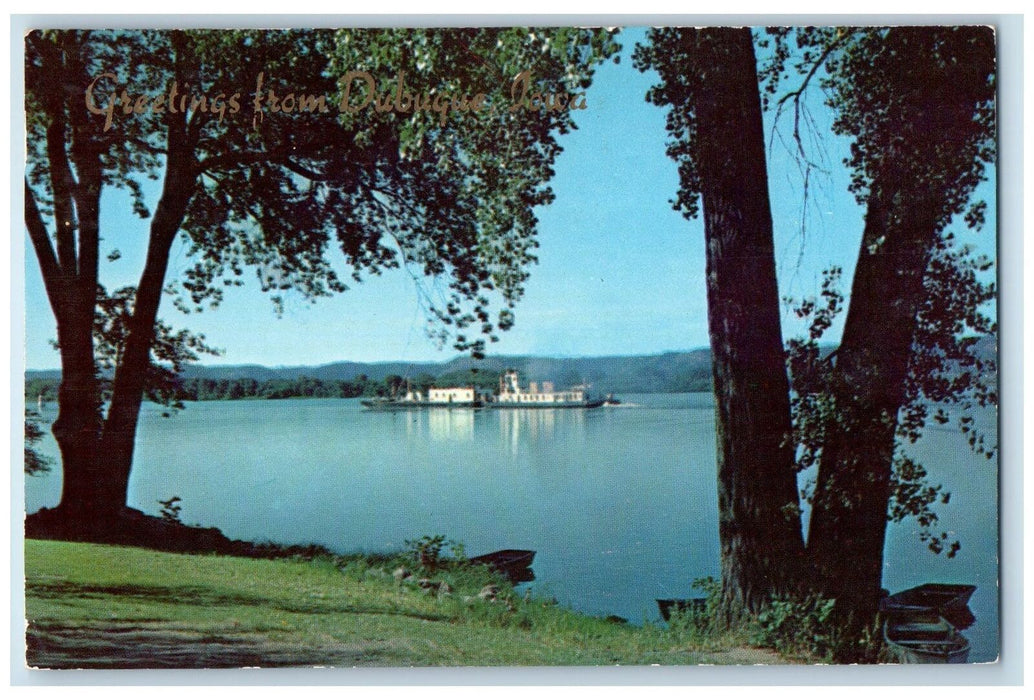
(676, 371)
(665, 372)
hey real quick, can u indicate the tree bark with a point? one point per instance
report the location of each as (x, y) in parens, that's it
(759, 522)
(70, 278)
(849, 517)
(97, 454)
(120, 426)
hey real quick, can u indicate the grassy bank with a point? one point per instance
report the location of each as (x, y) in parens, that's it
(97, 606)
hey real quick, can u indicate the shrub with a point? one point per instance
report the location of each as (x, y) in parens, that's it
(799, 625)
(427, 551)
(700, 625)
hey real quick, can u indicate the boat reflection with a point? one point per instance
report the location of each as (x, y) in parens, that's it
(451, 424)
(442, 425)
(516, 428)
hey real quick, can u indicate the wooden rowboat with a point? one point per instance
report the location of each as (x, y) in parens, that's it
(939, 598)
(515, 564)
(924, 639)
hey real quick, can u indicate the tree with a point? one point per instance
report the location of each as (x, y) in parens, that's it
(718, 141)
(918, 104)
(259, 168)
(35, 463)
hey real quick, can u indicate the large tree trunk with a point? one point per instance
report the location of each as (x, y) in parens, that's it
(69, 271)
(77, 428)
(119, 437)
(97, 456)
(759, 523)
(849, 518)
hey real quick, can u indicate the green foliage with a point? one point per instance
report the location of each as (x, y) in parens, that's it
(945, 369)
(439, 197)
(799, 626)
(427, 552)
(41, 388)
(35, 463)
(941, 75)
(450, 199)
(669, 51)
(170, 350)
(813, 411)
(700, 626)
(808, 627)
(918, 105)
(170, 510)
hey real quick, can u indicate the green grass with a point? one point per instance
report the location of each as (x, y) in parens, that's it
(101, 606)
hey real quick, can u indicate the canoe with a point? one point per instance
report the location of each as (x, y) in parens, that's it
(922, 638)
(513, 563)
(669, 605)
(939, 598)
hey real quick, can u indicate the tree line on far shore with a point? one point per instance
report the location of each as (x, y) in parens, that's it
(206, 389)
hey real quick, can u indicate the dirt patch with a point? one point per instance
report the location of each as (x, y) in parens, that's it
(157, 646)
(744, 656)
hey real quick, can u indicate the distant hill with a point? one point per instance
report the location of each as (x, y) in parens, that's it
(664, 373)
(668, 372)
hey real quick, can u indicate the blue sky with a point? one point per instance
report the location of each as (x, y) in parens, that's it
(619, 271)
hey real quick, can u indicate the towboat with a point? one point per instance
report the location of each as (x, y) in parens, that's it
(510, 395)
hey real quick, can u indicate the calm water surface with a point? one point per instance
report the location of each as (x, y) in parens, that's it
(619, 503)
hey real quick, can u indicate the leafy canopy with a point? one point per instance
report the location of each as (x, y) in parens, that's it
(449, 200)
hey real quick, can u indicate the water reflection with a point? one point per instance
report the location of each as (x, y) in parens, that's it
(440, 425)
(619, 503)
(451, 424)
(530, 426)
(527, 424)
(515, 427)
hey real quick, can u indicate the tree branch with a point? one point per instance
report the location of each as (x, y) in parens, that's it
(62, 180)
(49, 266)
(795, 95)
(304, 172)
(280, 155)
(85, 153)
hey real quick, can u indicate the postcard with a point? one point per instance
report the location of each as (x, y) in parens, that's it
(511, 346)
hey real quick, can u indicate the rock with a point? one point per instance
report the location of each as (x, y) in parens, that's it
(444, 589)
(401, 573)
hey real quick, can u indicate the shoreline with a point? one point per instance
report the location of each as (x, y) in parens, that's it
(103, 606)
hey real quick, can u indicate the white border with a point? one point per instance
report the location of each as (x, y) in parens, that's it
(1009, 671)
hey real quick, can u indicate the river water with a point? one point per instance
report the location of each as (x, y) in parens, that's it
(618, 502)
